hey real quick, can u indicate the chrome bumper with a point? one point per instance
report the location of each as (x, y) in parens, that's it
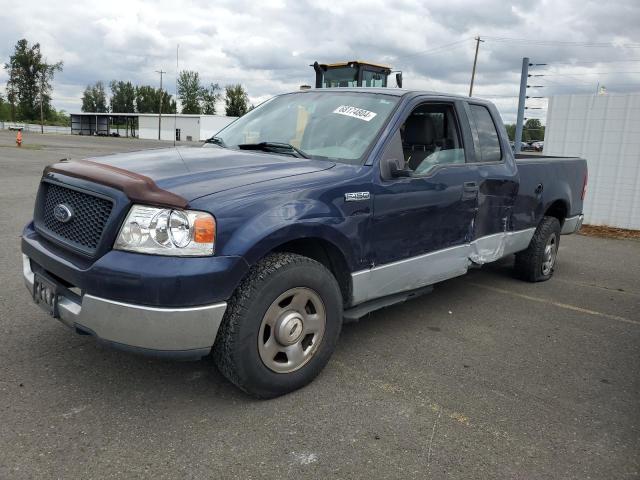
(572, 224)
(177, 332)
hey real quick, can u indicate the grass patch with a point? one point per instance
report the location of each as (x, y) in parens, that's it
(28, 146)
(608, 232)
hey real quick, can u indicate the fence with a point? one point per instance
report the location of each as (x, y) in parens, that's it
(34, 127)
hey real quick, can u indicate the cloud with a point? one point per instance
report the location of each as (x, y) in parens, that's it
(268, 46)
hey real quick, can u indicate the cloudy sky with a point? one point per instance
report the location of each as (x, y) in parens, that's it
(267, 45)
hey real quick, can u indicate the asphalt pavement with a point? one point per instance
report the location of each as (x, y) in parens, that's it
(486, 377)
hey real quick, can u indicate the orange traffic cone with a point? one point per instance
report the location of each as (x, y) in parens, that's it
(19, 138)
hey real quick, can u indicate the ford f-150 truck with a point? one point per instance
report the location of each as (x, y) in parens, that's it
(317, 206)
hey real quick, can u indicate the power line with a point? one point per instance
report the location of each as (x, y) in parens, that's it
(552, 74)
(531, 41)
(439, 49)
(595, 62)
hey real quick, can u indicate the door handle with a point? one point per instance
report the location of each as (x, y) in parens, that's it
(539, 189)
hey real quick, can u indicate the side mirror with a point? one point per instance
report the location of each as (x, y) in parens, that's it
(399, 79)
(394, 168)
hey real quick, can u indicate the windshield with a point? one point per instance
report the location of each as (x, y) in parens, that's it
(325, 125)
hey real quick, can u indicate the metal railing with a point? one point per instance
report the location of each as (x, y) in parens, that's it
(34, 127)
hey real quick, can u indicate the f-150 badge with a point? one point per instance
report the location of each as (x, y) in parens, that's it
(356, 196)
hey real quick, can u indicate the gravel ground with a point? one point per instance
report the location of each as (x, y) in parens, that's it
(487, 377)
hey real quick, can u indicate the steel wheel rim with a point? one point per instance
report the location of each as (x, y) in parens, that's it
(291, 330)
(550, 252)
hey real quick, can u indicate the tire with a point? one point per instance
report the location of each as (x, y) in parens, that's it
(252, 348)
(534, 263)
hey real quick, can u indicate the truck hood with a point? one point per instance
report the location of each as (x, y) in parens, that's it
(194, 172)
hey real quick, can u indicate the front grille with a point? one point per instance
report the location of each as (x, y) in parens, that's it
(90, 215)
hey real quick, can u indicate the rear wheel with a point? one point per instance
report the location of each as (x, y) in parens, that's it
(537, 262)
(281, 326)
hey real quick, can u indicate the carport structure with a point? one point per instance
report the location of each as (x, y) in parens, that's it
(104, 124)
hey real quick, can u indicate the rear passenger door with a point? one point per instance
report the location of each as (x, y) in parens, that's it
(497, 173)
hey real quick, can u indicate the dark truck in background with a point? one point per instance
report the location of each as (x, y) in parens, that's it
(317, 206)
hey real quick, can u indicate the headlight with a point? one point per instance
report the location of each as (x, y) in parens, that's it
(163, 231)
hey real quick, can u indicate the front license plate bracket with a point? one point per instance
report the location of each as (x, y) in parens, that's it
(45, 294)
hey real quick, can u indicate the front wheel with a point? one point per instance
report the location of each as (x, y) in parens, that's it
(281, 326)
(537, 262)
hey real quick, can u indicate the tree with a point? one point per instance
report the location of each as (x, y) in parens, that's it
(210, 97)
(148, 100)
(190, 91)
(59, 117)
(533, 130)
(123, 97)
(511, 130)
(236, 100)
(5, 110)
(29, 84)
(94, 98)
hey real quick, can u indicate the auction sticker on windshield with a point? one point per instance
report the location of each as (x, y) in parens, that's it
(355, 112)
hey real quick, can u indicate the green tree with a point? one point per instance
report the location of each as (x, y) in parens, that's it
(5, 110)
(94, 98)
(190, 91)
(236, 100)
(210, 96)
(59, 118)
(29, 85)
(123, 97)
(148, 100)
(533, 130)
(511, 130)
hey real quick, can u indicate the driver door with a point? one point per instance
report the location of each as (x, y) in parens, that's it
(423, 223)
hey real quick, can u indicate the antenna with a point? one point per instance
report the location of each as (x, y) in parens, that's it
(175, 112)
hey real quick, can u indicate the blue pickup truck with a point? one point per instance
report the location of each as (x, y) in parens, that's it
(316, 207)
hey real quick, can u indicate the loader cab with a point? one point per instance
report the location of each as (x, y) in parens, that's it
(353, 74)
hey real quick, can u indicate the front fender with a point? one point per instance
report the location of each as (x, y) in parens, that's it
(295, 221)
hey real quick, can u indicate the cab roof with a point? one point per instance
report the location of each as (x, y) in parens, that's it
(396, 92)
(358, 62)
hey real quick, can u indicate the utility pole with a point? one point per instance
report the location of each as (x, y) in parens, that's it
(517, 141)
(161, 72)
(475, 61)
(41, 106)
(175, 112)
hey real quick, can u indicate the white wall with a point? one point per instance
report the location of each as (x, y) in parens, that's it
(212, 124)
(605, 130)
(189, 126)
(198, 127)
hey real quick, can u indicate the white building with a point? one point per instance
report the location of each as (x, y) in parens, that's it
(184, 127)
(145, 125)
(604, 129)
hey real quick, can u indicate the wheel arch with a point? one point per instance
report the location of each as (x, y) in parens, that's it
(558, 209)
(318, 242)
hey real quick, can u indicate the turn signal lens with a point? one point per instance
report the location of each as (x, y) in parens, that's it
(204, 230)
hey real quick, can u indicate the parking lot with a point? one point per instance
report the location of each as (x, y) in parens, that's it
(487, 377)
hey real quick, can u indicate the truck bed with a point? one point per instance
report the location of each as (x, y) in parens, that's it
(559, 178)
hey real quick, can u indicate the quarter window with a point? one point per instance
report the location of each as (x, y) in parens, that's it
(486, 140)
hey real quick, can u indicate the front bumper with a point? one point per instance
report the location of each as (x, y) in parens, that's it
(572, 224)
(168, 332)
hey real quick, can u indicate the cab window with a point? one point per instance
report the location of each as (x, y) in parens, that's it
(431, 137)
(485, 138)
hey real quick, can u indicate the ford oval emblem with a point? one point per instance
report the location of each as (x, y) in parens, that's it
(63, 213)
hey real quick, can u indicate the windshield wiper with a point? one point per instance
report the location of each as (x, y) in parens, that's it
(216, 141)
(275, 147)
